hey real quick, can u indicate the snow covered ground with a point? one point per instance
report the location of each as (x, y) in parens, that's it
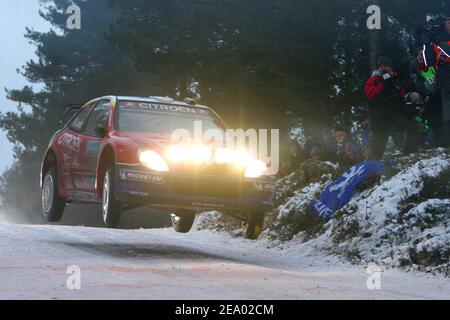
(402, 221)
(161, 264)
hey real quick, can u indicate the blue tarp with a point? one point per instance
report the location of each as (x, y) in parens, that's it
(340, 192)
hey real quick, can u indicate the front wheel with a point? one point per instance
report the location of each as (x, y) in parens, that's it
(183, 220)
(253, 226)
(112, 208)
(52, 204)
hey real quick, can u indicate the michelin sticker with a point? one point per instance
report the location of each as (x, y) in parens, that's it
(137, 176)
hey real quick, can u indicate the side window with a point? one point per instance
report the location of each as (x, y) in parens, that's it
(78, 122)
(66, 117)
(98, 117)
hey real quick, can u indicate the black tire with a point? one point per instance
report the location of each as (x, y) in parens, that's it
(52, 204)
(254, 225)
(183, 220)
(111, 208)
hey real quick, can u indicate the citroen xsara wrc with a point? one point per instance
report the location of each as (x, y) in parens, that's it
(119, 152)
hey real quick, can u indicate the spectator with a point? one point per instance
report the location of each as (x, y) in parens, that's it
(323, 146)
(347, 151)
(437, 55)
(386, 98)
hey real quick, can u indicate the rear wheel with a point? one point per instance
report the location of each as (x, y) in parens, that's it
(253, 226)
(112, 208)
(52, 204)
(183, 220)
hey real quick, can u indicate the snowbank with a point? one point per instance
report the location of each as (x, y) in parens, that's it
(400, 222)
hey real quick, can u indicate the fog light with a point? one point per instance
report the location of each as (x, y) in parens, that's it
(255, 169)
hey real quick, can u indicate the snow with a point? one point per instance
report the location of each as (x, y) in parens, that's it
(297, 134)
(401, 222)
(377, 226)
(400, 225)
(161, 264)
(302, 198)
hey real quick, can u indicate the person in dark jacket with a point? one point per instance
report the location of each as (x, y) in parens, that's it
(423, 77)
(323, 146)
(437, 55)
(423, 81)
(386, 102)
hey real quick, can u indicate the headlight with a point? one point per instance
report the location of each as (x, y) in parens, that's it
(201, 153)
(153, 160)
(243, 159)
(224, 155)
(255, 169)
(178, 154)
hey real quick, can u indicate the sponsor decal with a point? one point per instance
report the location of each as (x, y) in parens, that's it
(70, 142)
(89, 181)
(77, 123)
(269, 186)
(262, 186)
(168, 108)
(92, 148)
(156, 107)
(138, 193)
(70, 161)
(139, 176)
(207, 205)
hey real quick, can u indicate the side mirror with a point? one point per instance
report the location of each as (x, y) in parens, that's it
(100, 131)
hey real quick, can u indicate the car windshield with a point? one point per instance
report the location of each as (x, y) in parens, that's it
(133, 116)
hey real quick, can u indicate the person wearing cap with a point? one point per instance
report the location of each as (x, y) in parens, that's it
(385, 101)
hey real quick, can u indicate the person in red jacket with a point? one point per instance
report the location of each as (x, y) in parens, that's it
(386, 102)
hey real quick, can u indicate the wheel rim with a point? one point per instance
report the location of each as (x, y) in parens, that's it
(105, 198)
(47, 193)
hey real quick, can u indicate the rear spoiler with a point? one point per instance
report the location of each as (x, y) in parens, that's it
(67, 109)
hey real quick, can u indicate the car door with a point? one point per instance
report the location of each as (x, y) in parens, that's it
(68, 145)
(84, 175)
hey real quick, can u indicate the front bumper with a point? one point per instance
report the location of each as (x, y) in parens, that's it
(137, 184)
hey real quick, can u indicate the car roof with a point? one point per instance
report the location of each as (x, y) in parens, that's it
(153, 99)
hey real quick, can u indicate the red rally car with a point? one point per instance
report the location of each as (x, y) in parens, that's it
(119, 152)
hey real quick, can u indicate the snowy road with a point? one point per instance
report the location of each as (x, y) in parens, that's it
(160, 264)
